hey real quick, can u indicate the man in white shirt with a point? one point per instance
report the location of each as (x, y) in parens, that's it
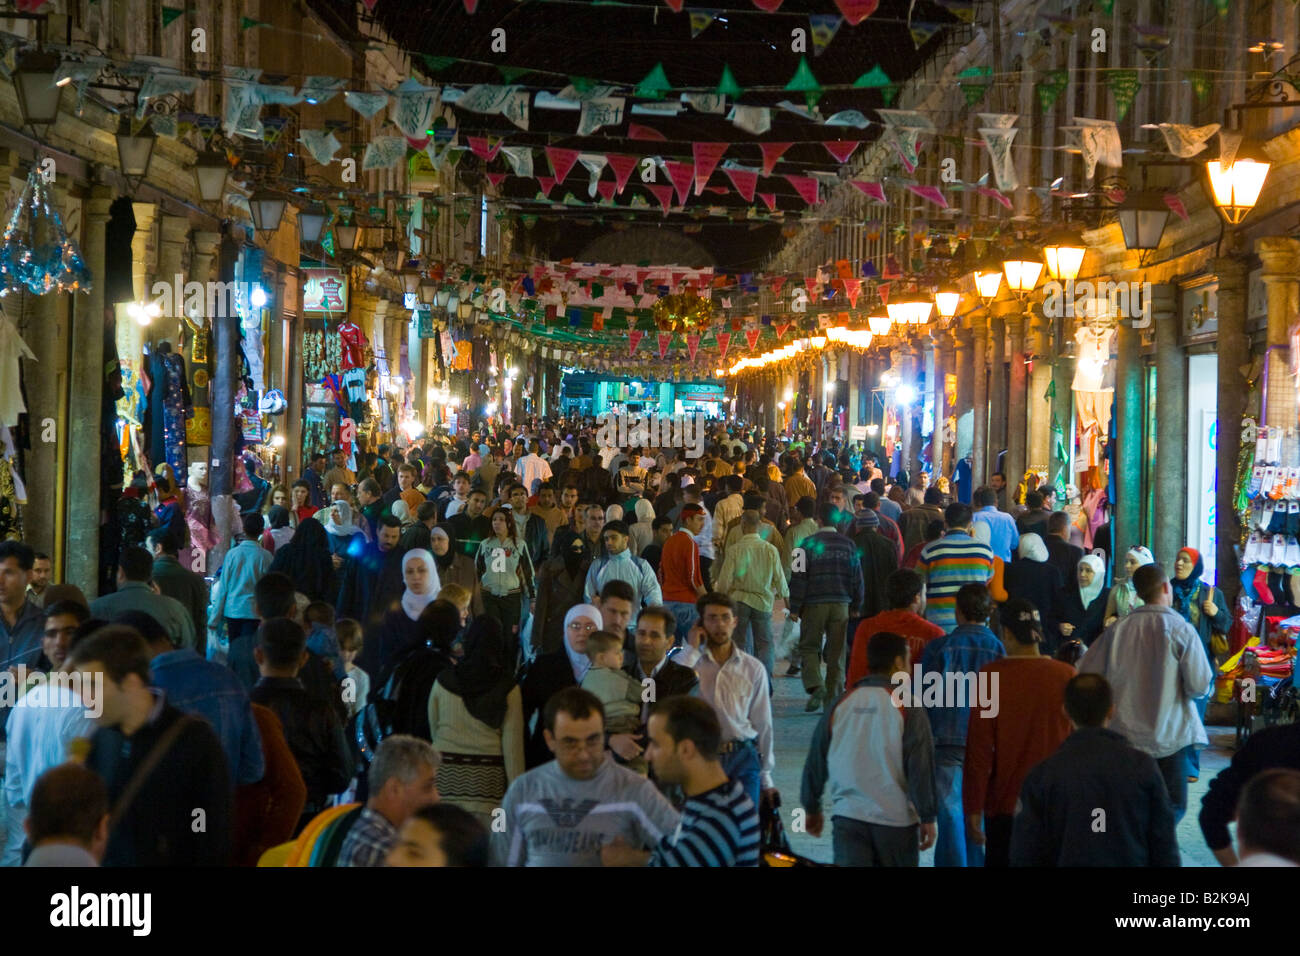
(532, 469)
(736, 684)
(1157, 667)
(1268, 819)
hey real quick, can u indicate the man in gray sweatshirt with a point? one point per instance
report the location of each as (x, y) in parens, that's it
(563, 812)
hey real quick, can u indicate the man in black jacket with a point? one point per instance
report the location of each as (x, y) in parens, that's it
(1062, 555)
(532, 528)
(1097, 801)
(165, 771)
(879, 557)
(313, 731)
(1273, 748)
(660, 677)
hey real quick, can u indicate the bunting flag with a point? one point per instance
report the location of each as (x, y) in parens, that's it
(383, 152)
(480, 147)
(874, 78)
(598, 112)
(414, 107)
(848, 118)
(875, 191)
(768, 6)
(714, 103)
(993, 194)
(853, 289)
(681, 175)
(998, 132)
(496, 178)
(804, 82)
(771, 153)
(520, 159)
(806, 186)
(755, 120)
(663, 192)
(1175, 203)
(1051, 87)
(692, 345)
(922, 32)
(974, 92)
(882, 290)
(562, 161)
(547, 183)
(169, 15)
(963, 10)
(655, 85)
(780, 330)
(1184, 141)
(855, 11)
(665, 339)
(931, 193)
(321, 144)
(724, 342)
(841, 149)
(1099, 142)
(594, 163)
(367, 104)
(744, 181)
(633, 338)
(707, 156)
(470, 6)
(700, 20)
(1200, 83)
(675, 5)
(248, 23)
(770, 199)
(777, 283)
(637, 131)
(320, 89)
(622, 164)
(822, 26)
(1124, 86)
(727, 85)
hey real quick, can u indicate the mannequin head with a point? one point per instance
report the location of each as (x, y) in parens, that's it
(198, 479)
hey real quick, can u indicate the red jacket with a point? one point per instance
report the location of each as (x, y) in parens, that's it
(679, 568)
(915, 628)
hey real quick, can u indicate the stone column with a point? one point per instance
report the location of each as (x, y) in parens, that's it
(1170, 505)
(980, 399)
(1040, 408)
(1062, 410)
(173, 235)
(1126, 524)
(1234, 354)
(998, 389)
(1281, 260)
(964, 363)
(910, 457)
(87, 375)
(1017, 424)
(944, 365)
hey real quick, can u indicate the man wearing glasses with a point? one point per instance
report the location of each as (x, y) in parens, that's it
(563, 812)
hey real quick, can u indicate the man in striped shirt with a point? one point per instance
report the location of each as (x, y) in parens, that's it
(954, 560)
(719, 825)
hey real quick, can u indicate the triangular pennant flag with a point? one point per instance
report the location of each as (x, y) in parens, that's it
(470, 6)
(706, 157)
(700, 20)
(728, 86)
(547, 183)
(496, 178)
(770, 199)
(169, 14)
(841, 149)
(823, 27)
(853, 289)
(562, 161)
(922, 32)
(855, 11)
(520, 159)
(781, 330)
(633, 338)
(681, 175)
(1175, 203)
(777, 282)
(803, 80)
(675, 5)
(622, 164)
(875, 190)
(511, 73)
(768, 6)
(606, 189)
(692, 345)
(806, 186)
(994, 194)
(482, 149)
(637, 131)
(751, 337)
(663, 192)
(665, 339)
(744, 181)
(724, 341)
(931, 193)
(771, 153)
(1124, 86)
(247, 23)
(874, 78)
(655, 85)
(882, 290)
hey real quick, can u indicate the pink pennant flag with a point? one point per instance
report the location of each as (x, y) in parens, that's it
(806, 186)
(931, 193)
(1176, 204)
(547, 183)
(692, 345)
(883, 291)
(841, 149)
(993, 194)
(768, 6)
(606, 189)
(706, 157)
(771, 153)
(675, 5)
(873, 190)
(622, 164)
(724, 341)
(781, 330)
(777, 283)
(770, 199)
(681, 175)
(751, 337)
(496, 178)
(853, 289)
(663, 192)
(562, 161)
(744, 181)
(665, 338)
(471, 6)
(855, 11)
(634, 338)
(637, 131)
(480, 147)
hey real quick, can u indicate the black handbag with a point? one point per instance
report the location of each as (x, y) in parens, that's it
(774, 844)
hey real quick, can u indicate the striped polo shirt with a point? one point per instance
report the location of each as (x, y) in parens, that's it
(719, 828)
(954, 560)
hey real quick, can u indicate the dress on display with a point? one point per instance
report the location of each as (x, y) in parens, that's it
(169, 406)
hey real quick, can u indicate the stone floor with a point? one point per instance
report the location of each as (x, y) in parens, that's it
(794, 729)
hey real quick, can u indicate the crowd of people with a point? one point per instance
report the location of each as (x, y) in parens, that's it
(519, 647)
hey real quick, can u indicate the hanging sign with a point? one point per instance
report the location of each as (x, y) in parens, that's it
(324, 290)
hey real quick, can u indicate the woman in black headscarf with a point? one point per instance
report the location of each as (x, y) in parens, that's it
(476, 721)
(306, 559)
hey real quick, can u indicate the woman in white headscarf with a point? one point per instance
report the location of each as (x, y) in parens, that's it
(402, 512)
(345, 537)
(1032, 579)
(1086, 610)
(402, 631)
(1123, 598)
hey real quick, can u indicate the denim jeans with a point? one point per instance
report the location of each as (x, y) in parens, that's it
(242, 632)
(686, 616)
(1193, 753)
(754, 633)
(742, 764)
(1174, 771)
(951, 847)
(873, 844)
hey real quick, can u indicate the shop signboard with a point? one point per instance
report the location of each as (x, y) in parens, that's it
(424, 322)
(324, 290)
(699, 392)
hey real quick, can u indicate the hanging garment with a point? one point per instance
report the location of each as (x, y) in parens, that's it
(12, 348)
(1091, 360)
(352, 342)
(176, 408)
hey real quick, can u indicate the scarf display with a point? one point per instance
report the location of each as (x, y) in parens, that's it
(413, 604)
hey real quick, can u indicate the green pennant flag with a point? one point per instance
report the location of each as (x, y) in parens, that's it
(1051, 390)
(437, 63)
(1222, 6)
(582, 83)
(974, 92)
(246, 23)
(512, 73)
(700, 20)
(1124, 86)
(655, 85)
(727, 86)
(975, 72)
(1108, 7)
(1200, 83)
(873, 78)
(1050, 88)
(889, 92)
(803, 80)
(169, 15)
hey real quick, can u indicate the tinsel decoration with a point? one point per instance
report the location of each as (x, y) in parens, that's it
(683, 312)
(1241, 486)
(36, 254)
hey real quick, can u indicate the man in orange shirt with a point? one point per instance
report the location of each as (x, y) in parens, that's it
(797, 484)
(905, 592)
(680, 576)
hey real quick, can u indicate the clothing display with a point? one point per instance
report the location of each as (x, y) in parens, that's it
(352, 343)
(169, 407)
(1091, 360)
(12, 348)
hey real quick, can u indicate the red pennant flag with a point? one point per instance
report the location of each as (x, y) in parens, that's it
(768, 6)
(562, 161)
(883, 290)
(724, 341)
(622, 164)
(855, 11)
(1176, 204)
(471, 6)
(664, 339)
(751, 337)
(637, 131)
(547, 183)
(496, 178)
(931, 193)
(681, 175)
(806, 187)
(675, 5)
(781, 330)
(853, 289)
(841, 149)
(770, 199)
(771, 153)
(633, 339)
(606, 189)
(706, 157)
(996, 195)
(776, 284)
(744, 181)
(480, 147)
(874, 190)
(664, 193)
(692, 345)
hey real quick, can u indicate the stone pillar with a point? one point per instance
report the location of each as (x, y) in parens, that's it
(964, 363)
(1170, 505)
(1017, 424)
(944, 365)
(1234, 354)
(910, 457)
(1040, 407)
(980, 400)
(998, 390)
(1281, 260)
(221, 470)
(1126, 525)
(1062, 410)
(87, 375)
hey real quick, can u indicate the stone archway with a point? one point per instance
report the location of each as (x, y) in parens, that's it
(664, 246)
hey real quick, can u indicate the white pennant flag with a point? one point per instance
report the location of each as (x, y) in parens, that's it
(1099, 142)
(367, 104)
(383, 151)
(520, 159)
(594, 164)
(321, 143)
(320, 89)
(606, 111)
(752, 119)
(706, 102)
(414, 106)
(998, 140)
(1184, 141)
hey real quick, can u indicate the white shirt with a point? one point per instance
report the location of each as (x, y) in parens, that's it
(41, 727)
(705, 538)
(1266, 859)
(737, 689)
(532, 470)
